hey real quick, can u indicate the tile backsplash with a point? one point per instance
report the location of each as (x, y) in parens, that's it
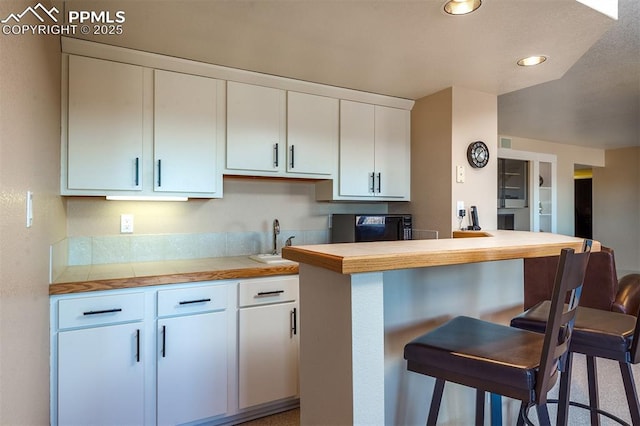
(155, 247)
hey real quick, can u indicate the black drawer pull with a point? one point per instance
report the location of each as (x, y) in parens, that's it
(106, 311)
(269, 293)
(187, 302)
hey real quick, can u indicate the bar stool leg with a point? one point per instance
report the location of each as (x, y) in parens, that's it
(479, 407)
(630, 390)
(435, 402)
(565, 387)
(592, 379)
(543, 415)
(496, 409)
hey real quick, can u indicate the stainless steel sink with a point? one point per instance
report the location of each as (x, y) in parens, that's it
(268, 258)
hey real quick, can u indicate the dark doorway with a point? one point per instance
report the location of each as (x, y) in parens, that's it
(583, 206)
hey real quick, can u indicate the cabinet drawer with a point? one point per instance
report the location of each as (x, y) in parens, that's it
(99, 310)
(269, 290)
(192, 300)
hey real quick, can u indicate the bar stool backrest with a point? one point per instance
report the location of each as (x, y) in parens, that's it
(568, 281)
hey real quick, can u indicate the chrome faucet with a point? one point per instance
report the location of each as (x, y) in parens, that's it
(276, 231)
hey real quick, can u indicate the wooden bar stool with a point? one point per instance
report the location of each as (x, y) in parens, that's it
(502, 360)
(597, 333)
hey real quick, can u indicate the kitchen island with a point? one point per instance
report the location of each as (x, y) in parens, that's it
(361, 302)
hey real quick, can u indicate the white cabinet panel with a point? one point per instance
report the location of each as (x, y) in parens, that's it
(392, 152)
(312, 133)
(101, 376)
(357, 159)
(105, 125)
(268, 357)
(185, 130)
(255, 127)
(192, 367)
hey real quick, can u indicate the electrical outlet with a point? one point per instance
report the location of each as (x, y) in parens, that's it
(126, 224)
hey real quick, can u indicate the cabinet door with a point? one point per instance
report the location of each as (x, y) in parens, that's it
(192, 367)
(100, 376)
(255, 127)
(392, 152)
(312, 133)
(268, 353)
(105, 125)
(356, 149)
(185, 128)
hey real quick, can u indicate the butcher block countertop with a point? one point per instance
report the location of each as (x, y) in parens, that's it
(78, 279)
(349, 258)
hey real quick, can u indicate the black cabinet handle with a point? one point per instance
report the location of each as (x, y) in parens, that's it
(293, 162)
(164, 341)
(275, 161)
(379, 182)
(138, 345)
(159, 173)
(294, 322)
(269, 293)
(187, 302)
(372, 188)
(106, 311)
(137, 171)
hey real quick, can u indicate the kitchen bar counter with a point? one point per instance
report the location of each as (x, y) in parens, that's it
(78, 279)
(361, 303)
(467, 247)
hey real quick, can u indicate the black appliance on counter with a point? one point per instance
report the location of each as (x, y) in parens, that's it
(356, 228)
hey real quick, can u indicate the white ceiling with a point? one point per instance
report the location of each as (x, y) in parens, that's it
(410, 48)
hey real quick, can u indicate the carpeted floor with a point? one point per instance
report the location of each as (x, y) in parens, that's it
(286, 418)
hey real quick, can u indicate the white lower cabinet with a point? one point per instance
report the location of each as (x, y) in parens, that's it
(192, 354)
(175, 354)
(268, 340)
(100, 368)
(100, 376)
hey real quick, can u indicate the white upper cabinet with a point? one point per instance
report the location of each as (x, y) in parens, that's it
(274, 132)
(392, 152)
(140, 124)
(357, 151)
(312, 133)
(137, 131)
(185, 133)
(255, 128)
(374, 152)
(105, 125)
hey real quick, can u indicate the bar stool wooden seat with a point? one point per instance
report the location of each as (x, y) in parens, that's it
(502, 360)
(597, 334)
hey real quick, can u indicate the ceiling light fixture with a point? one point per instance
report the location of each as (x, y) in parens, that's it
(461, 7)
(532, 60)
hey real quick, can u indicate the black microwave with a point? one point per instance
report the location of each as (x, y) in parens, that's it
(357, 228)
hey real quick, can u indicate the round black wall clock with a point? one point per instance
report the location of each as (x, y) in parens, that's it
(478, 154)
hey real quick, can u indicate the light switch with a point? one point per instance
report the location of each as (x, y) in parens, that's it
(460, 174)
(126, 223)
(29, 209)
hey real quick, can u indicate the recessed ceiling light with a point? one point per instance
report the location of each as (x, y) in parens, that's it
(531, 61)
(461, 7)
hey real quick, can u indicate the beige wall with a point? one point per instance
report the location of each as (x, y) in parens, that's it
(431, 126)
(475, 118)
(248, 205)
(568, 156)
(616, 206)
(29, 160)
(442, 127)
